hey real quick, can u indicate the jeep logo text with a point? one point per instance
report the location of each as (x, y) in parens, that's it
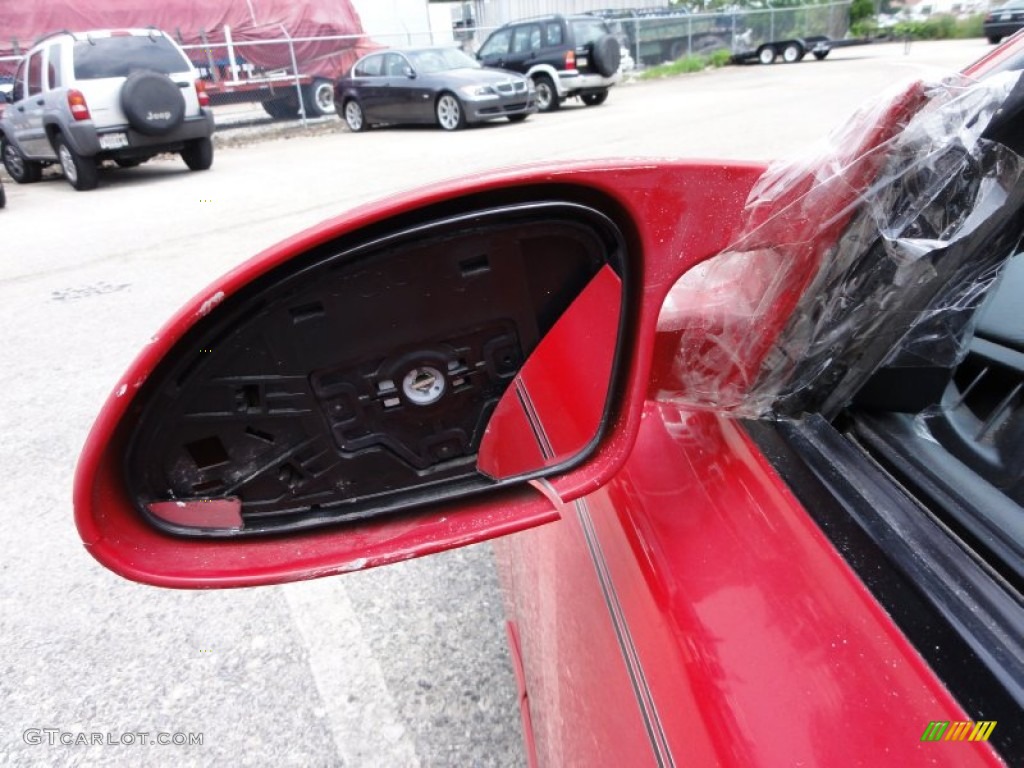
(158, 116)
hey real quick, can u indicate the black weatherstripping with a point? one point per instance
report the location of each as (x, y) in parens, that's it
(961, 452)
(966, 623)
(358, 379)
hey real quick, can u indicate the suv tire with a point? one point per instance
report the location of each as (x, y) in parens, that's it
(81, 172)
(607, 55)
(198, 154)
(152, 102)
(22, 170)
(546, 94)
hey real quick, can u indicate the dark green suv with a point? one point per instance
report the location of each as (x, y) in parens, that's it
(565, 56)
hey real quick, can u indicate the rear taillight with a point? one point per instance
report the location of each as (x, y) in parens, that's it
(570, 59)
(79, 109)
(204, 97)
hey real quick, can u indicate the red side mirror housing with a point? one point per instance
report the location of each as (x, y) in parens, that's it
(659, 220)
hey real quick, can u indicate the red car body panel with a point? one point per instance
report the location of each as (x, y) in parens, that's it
(711, 623)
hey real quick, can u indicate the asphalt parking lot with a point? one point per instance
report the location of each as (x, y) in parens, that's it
(400, 666)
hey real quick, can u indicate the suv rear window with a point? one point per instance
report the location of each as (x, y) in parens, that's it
(120, 56)
(587, 31)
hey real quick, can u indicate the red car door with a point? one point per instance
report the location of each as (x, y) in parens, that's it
(693, 613)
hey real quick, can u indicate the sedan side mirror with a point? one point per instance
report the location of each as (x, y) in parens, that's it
(416, 376)
(410, 73)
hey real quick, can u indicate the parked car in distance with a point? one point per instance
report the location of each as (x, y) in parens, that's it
(564, 56)
(1003, 20)
(124, 95)
(439, 85)
(750, 439)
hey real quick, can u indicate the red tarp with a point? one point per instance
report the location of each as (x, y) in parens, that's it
(24, 21)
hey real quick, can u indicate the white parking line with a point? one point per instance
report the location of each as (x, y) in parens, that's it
(348, 677)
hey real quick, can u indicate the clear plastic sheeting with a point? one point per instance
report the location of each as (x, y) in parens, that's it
(873, 249)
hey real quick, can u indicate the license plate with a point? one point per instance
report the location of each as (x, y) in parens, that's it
(581, 61)
(113, 140)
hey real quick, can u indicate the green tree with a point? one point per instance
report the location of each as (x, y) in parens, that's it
(860, 10)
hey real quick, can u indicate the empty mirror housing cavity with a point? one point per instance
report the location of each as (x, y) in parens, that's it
(360, 377)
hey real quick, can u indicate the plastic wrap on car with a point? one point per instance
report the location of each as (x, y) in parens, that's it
(872, 249)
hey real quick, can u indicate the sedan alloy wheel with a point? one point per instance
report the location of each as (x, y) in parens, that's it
(449, 112)
(354, 116)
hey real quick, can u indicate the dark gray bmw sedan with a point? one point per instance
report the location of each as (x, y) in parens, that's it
(429, 85)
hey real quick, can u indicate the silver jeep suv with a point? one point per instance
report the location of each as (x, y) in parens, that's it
(122, 95)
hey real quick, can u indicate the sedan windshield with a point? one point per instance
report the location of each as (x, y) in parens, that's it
(441, 60)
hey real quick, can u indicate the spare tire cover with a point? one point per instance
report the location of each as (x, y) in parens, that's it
(607, 55)
(152, 102)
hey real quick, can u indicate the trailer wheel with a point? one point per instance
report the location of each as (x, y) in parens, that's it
(766, 54)
(820, 55)
(677, 50)
(793, 52)
(281, 108)
(318, 98)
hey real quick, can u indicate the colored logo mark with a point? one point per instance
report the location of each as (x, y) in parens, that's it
(944, 730)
